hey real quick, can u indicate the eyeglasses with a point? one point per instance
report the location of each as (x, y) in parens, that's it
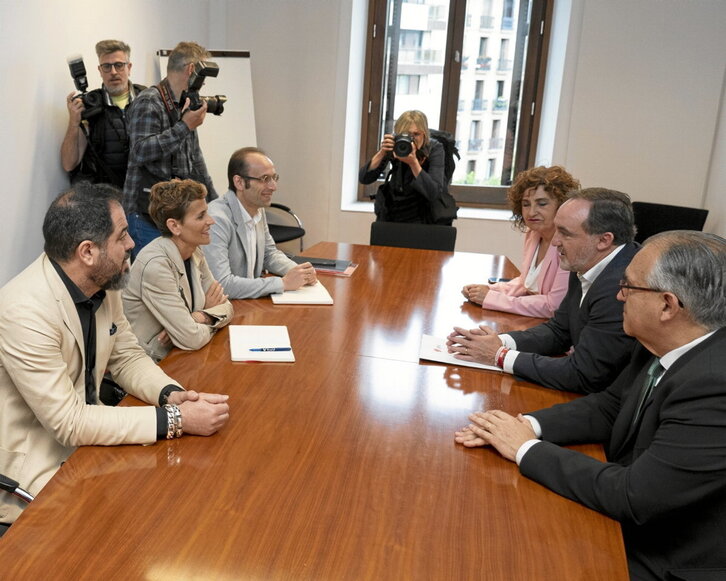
(106, 67)
(264, 179)
(623, 284)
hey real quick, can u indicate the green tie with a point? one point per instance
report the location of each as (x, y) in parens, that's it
(654, 372)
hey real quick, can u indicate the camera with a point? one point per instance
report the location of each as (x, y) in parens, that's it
(93, 102)
(403, 144)
(202, 70)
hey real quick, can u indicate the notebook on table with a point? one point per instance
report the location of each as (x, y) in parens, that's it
(260, 343)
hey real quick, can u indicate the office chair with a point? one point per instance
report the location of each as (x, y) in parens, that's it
(11, 486)
(654, 218)
(405, 235)
(277, 215)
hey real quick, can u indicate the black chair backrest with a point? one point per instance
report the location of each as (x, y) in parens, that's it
(654, 218)
(405, 235)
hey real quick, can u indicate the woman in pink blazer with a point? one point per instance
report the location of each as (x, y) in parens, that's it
(534, 197)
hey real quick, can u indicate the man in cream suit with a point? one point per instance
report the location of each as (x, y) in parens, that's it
(241, 246)
(61, 328)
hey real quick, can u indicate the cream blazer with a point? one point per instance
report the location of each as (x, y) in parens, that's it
(158, 296)
(43, 410)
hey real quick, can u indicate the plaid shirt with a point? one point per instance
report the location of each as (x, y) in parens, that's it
(160, 150)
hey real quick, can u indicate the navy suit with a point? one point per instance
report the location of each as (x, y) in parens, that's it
(595, 329)
(665, 479)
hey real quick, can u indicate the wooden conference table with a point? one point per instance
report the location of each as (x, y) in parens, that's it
(339, 466)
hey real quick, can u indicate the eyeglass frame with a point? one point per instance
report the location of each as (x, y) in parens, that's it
(118, 66)
(623, 284)
(265, 179)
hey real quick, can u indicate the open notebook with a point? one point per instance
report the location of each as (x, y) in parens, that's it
(434, 349)
(316, 294)
(260, 343)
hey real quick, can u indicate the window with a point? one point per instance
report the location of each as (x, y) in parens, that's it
(422, 56)
(407, 84)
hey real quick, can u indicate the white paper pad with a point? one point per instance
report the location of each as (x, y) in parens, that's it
(305, 295)
(242, 338)
(434, 349)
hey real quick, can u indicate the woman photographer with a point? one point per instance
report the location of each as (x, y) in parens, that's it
(415, 181)
(172, 298)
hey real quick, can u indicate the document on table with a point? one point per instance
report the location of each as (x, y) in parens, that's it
(434, 349)
(260, 343)
(316, 294)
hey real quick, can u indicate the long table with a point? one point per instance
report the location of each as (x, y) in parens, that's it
(339, 466)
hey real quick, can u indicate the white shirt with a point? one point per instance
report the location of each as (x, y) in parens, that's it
(250, 229)
(666, 361)
(586, 281)
(530, 282)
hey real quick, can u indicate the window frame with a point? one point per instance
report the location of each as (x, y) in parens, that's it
(532, 90)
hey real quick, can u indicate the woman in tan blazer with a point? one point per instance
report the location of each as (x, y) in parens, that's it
(172, 299)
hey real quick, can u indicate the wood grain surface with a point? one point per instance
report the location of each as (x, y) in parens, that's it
(339, 466)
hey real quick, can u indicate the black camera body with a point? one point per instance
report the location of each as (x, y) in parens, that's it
(402, 144)
(93, 101)
(202, 70)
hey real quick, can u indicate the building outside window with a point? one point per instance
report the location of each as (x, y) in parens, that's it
(436, 56)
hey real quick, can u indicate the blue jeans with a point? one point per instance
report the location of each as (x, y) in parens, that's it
(142, 232)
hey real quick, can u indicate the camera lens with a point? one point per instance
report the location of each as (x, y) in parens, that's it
(403, 145)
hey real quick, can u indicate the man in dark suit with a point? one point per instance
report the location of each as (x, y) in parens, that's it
(662, 422)
(594, 235)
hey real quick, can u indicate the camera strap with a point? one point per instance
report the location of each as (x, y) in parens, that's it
(168, 100)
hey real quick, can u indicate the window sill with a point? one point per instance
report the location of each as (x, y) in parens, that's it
(464, 213)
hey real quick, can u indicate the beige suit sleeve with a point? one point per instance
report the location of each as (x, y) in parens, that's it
(221, 313)
(160, 294)
(44, 363)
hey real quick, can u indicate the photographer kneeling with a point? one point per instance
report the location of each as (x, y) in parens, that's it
(417, 178)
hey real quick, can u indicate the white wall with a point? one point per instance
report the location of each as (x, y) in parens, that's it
(646, 88)
(36, 37)
(640, 106)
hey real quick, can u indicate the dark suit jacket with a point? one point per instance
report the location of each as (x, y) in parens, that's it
(595, 329)
(665, 479)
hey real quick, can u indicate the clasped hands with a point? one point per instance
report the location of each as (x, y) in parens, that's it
(506, 433)
(202, 413)
(479, 345)
(476, 293)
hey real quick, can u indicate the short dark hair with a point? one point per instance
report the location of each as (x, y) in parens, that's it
(172, 200)
(238, 165)
(80, 213)
(610, 211)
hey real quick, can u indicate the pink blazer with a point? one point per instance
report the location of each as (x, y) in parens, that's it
(512, 296)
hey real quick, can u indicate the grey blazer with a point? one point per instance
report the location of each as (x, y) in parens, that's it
(228, 251)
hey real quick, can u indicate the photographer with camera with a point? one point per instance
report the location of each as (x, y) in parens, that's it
(164, 140)
(416, 183)
(96, 143)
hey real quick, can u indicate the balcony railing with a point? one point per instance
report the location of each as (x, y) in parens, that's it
(462, 105)
(475, 144)
(496, 143)
(479, 104)
(504, 65)
(500, 104)
(507, 23)
(420, 56)
(483, 63)
(486, 22)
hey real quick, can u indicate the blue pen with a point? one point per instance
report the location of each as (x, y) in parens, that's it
(272, 349)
